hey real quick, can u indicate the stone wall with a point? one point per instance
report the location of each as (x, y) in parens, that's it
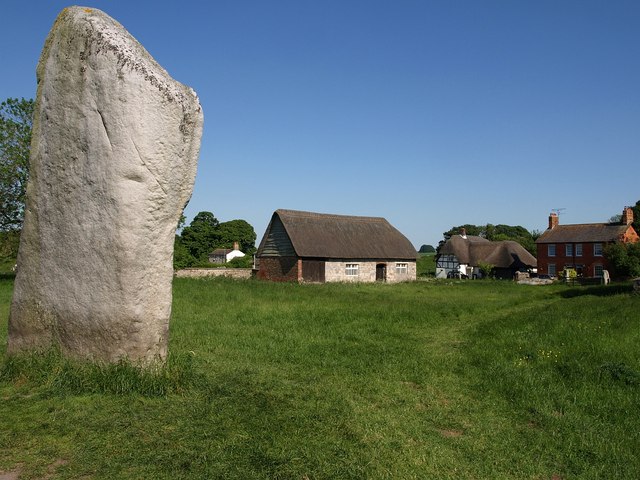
(214, 272)
(336, 271)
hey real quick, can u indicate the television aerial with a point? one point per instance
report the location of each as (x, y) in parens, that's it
(558, 211)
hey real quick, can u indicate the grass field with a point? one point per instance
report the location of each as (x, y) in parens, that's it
(451, 379)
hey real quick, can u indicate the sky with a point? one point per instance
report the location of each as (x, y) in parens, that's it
(432, 114)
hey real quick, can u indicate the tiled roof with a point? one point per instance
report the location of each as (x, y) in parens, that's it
(583, 233)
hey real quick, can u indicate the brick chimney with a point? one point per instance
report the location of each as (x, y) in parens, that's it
(236, 246)
(463, 233)
(627, 216)
(554, 220)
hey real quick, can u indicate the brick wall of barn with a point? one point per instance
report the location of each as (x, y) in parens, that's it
(279, 269)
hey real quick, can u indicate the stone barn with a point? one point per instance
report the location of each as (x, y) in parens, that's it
(315, 247)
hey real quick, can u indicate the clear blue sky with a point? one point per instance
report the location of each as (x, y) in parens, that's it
(431, 114)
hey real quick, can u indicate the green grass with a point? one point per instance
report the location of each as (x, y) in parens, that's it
(437, 380)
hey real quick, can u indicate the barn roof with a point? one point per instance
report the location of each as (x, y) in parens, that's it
(474, 250)
(320, 235)
(583, 233)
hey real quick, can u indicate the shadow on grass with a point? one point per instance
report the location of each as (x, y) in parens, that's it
(7, 276)
(597, 291)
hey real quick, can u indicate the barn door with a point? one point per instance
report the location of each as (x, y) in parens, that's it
(313, 271)
(381, 272)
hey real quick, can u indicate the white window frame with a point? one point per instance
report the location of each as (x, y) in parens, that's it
(598, 270)
(352, 269)
(578, 249)
(568, 250)
(597, 249)
(551, 250)
(552, 269)
(402, 268)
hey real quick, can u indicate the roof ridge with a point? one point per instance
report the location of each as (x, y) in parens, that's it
(301, 214)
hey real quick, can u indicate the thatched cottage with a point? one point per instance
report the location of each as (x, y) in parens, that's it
(463, 255)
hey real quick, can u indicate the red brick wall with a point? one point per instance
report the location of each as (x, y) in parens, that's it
(279, 269)
(561, 260)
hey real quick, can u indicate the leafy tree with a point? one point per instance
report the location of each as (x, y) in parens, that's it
(624, 259)
(201, 236)
(426, 249)
(486, 269)
(241, 262)
(636, 217)
(16, 121)
(182, 258)
(237, 231)
(205, 233)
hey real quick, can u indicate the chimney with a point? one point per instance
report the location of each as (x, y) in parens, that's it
(553, 220)
(463, 233)
(236, 246)
(627, 216)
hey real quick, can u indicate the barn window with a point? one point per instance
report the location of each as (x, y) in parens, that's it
(351, 269)
(402, 268)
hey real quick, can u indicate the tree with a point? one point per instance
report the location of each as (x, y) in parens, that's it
(486, 269)
(636, 217)
(426, 249)
(16, 122)
(201, 236)
(237, 231)
(205, 233)
(624, 259)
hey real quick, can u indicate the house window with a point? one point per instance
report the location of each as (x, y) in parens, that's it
(598, 270)
(552, 269)
(597, 249)
(568, 250)
(351, 270)
(402, 268)
(578, 249)
(449, 262)
(551, 250)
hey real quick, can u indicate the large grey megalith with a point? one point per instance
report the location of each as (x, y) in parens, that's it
(113, 162)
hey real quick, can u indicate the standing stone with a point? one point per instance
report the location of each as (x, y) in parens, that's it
(113, 162)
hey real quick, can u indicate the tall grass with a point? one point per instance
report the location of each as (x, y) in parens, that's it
(444, 379)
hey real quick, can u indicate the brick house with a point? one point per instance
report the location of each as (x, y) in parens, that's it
(315, 247)
(581, 246)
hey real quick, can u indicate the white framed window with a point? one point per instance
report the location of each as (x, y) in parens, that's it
(552, 269)
(598, 270)
(578, 249)
(568, 250)
(597, 249)
(551, 250)
(351, 269)
(402, 268)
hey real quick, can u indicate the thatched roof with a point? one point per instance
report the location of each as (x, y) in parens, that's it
(583, 233)
(474, 250)
(319, 235)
